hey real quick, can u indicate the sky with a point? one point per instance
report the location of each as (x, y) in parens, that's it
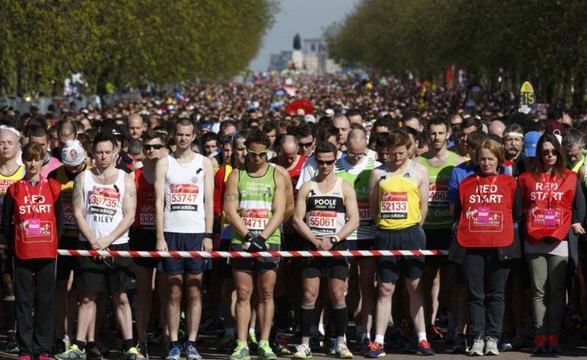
(309, 18)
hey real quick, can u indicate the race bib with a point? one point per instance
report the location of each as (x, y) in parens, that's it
(322, 221)
(103, 201)
(255, 219)
(438, 194)
(184, 197)
(147, 217)
(68, 219)
(364, 212)
(394, 205)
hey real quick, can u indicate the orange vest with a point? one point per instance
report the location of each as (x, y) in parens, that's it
(486, 219)
(34, 219)
(547, 204)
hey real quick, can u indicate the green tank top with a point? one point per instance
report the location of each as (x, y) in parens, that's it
(359, 178)
(256, 203)
(438, 216)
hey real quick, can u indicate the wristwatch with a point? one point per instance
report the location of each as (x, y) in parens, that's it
(334, 239)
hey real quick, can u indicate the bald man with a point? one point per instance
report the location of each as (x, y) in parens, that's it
(496, 128)
(287, 149)
(136, 126)
(343, 125)
(355, 168)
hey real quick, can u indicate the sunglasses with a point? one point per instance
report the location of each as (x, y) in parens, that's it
(255, 154)
(325, 162)
(308, 144)
(549, 152)
(153, 146)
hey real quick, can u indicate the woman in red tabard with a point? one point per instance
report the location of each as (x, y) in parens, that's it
(32, 219)
(554, 208)
(487, 210)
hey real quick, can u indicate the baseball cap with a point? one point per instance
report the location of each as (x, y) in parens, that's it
(329, 112)
(530, 141)
(73, 153)
(310, 119)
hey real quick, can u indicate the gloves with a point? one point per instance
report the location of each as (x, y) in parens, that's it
(256, 244)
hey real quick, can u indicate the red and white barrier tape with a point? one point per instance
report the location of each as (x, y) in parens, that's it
(238, 254)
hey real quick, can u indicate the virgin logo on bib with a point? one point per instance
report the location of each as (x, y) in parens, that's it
(255, 219)
(183, 197)
(394, 205)
(103, 201)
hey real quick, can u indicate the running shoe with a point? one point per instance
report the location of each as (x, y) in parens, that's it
(343, 352)
(303, 352)
(424, 348)
(265, 352)
(174, 353)
(133, 354)
(72, 353)
(241, 352)
(540, 344)
(375, 350)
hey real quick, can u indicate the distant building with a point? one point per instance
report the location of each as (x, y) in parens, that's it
(315, 61)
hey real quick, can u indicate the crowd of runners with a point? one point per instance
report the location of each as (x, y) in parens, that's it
(363, 164)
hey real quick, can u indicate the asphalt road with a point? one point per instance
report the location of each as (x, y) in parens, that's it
(574, 347)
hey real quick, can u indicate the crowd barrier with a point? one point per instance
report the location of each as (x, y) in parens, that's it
(239, 254)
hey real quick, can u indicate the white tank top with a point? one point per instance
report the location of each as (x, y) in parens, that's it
(103, 210)
(184, 197)
(325, 212)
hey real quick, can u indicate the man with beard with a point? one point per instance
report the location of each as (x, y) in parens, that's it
(513, 143)
(440, 162)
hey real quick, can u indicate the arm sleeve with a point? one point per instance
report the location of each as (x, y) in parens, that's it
(579, 207)
(7, 214)
(453, 187)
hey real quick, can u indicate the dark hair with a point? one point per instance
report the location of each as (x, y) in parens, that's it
(325, 147)
(379, 140)
(437, 120)
(209, 136)
(471, 121)
(104, 137)
(32, 151)
(257, 137)
(559, 167)
(185, 122)
(37, 131)
(269, 127)
(476, 138)
(152, 134)
(353, 112)
(304, 130)
(324, 132)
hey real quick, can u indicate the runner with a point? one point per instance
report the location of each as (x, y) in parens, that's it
(326, 214)
(104, 204)
(143, 238)
(184, 190)
(399, 203)
(356, 168)
(438, 224)
(255, 204)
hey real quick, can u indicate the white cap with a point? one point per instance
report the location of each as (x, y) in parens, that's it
(310, 119)
(329, 112)
(73, 153)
